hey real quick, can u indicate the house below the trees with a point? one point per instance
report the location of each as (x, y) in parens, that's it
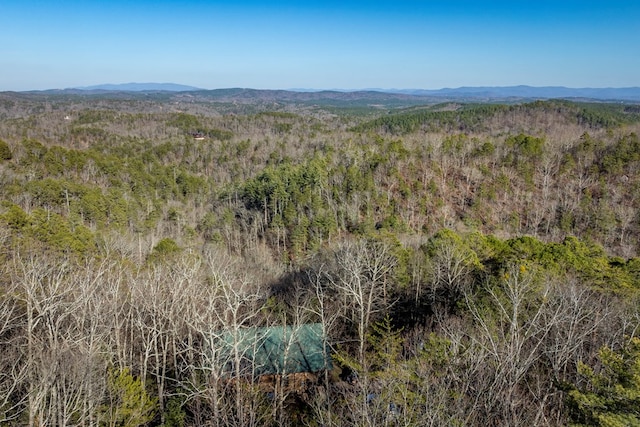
(270, 354)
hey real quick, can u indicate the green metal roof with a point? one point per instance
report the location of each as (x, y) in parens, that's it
(276, 350)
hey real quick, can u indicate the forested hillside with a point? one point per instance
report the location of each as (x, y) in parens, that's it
(471, 264)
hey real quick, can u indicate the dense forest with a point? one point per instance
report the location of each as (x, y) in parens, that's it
(470, 264)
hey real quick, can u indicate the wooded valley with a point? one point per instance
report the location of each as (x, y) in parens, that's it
(469, 264)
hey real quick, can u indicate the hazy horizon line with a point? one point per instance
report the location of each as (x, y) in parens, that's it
(116, 86)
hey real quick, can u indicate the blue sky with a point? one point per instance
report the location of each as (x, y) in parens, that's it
(320, 44)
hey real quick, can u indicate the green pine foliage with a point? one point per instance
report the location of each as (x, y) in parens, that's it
(293, 200)
(609, 395)
(128, 403)
(5, 151)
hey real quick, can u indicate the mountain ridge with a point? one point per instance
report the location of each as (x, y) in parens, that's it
(525, 91)
(488, 93)
(140, 87)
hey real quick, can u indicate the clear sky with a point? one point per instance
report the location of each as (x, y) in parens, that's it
(346, 44)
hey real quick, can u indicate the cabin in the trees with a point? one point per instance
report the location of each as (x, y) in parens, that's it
(198, 136)
(269, 354)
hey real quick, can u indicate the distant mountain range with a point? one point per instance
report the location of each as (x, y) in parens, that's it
(370, 97)
(545, 92)
(140, 87)
(481, 93)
